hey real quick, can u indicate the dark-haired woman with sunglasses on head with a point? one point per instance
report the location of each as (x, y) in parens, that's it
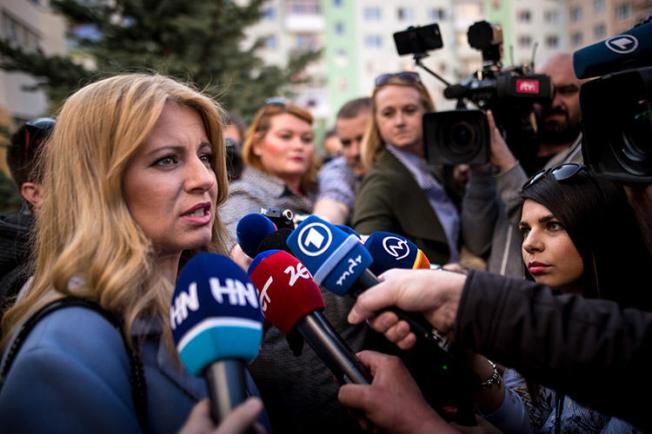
(580, 237)
(400, 193)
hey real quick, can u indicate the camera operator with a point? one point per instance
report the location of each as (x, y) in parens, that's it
(491, 203)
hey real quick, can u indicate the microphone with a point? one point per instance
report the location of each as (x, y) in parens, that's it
(340, 263)
(251, 230)
(349, 230)
(630, 49)
(291, 300)
(390, 250)
(217, 327)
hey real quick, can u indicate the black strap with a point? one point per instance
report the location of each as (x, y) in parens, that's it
(137, 376)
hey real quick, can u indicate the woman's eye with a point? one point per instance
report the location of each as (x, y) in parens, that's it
(206, 158)
(307, 140)
(524, 230)
(166, 161)
(555, 226)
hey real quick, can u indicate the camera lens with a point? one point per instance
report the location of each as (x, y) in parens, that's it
(635, 155)
(460, 139)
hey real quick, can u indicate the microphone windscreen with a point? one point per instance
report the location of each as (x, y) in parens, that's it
(287, 291)
(335, 258)
(390, 251)
(630, 49)
(251, 230)
(422, 261)
(275, 241)
(214, 313)
(349, 230)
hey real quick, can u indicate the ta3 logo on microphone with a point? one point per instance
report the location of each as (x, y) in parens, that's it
(396, 247)
(622, 44)
(315, 239)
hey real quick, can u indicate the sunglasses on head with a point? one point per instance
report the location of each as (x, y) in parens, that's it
(383, 79)
(277, 100)
(37, 129)
(560, 173)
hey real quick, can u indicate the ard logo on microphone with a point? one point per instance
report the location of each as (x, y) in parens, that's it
(396, 247)
(233, 292)
(622, 44)
(314, 239)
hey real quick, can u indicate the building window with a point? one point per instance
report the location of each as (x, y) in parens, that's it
(599, 31)
(524, 16)
(304, 7)
(405, 14)
(269, 13)
(598, 6)
(623, 11)
(305, 41)
(552, 41)
(437, 14)
(18, 34)
(337, 3)
(524, 41)
(577, 38)
(551, 17)
(339, 27)
(373, 41)
(270, 42)
(372, 13)
(576, 13)
(341, 57)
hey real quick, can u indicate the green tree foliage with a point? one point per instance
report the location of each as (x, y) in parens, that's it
(194, 40)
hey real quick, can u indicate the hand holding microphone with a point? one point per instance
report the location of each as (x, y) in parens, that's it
(217, 327)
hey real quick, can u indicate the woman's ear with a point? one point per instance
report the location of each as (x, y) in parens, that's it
(31, 192)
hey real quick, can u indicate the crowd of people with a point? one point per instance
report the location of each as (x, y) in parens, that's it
(542, 282)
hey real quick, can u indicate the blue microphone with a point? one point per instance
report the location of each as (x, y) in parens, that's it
(337, 260)
(394, 251)
(217, 328)
(630, 49)
(251, 230)
(349, 230)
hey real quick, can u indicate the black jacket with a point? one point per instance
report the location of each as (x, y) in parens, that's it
(593, 350)
(14, 253)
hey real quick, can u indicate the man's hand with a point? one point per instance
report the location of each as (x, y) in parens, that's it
(393, 401)
(434, 293)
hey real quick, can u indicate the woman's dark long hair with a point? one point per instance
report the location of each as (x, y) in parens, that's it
(602, 225)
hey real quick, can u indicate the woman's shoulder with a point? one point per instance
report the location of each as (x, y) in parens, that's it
(78, 334)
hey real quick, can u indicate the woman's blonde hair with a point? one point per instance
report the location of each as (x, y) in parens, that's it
(84, 229)
(259, 128)
(372, 143)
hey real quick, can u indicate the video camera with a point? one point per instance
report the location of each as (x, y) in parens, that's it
(617, 107)
(462, 136)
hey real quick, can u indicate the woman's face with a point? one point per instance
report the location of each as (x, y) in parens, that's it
(170, 186)
(399, 117)
(548, 251)
(287, 148)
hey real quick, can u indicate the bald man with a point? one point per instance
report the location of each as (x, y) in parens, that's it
(559, 122)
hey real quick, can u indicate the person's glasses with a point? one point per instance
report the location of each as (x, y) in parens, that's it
(565, 90)
(559, 173)
(277, 100)
(383, 79)
(37, 129)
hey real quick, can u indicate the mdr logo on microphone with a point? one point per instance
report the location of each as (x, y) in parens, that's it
(396, 247)
(314, 239)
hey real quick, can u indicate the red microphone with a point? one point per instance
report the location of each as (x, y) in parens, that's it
(291, 300)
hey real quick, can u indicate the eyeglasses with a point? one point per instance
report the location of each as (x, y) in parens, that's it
(560, 173)
(565, 90)
(383, 79)
(277, 100)
(37, 129)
